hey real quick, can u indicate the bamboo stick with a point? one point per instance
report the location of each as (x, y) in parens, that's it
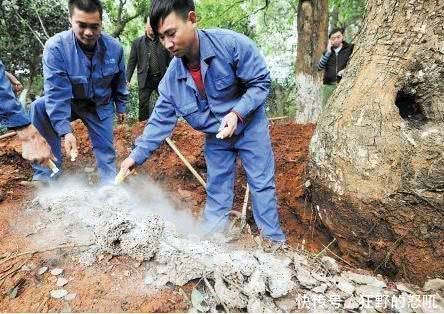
(186, 162)
(10, 134)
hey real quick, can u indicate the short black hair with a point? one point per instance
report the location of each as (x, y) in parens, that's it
(160, 9)
(89, 6)
(335, 30)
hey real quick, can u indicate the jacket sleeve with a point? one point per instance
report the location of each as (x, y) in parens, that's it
(324, 59)
(119, 86)
(132, 61)
(253, 73)
(11, 112)
(58, 90)
(159, 127)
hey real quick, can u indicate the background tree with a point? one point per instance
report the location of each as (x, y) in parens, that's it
(377, 163)
(312, 25)
(122, 12)
(25, 26)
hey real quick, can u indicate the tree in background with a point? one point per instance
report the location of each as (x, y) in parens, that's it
(312, 24)
(346, 14)
(25, 25)
(376, 158)
(120, 13)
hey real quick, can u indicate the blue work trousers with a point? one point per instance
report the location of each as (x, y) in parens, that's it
(100, 134)
(253, 146)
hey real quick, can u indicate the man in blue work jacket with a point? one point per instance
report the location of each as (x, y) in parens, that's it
(84, 74)
(34, 146)
(218, 82)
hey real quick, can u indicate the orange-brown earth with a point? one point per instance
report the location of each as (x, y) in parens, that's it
(109, 285)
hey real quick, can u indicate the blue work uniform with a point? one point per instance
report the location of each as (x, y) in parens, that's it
(76, 87)
(235, 78)
(11, 111)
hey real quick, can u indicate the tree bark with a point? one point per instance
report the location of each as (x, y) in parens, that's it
(312, 27)
(376, 158)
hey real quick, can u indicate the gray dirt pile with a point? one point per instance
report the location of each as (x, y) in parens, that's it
(239, 280)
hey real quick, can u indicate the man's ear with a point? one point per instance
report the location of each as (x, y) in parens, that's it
(192, 17)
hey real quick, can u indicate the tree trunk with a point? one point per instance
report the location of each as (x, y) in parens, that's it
(312, 38)
(377, 155)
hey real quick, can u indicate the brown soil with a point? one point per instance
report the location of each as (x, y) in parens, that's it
(109, 285)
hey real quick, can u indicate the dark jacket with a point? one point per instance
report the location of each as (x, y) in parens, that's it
(141, 49)
(333, 63)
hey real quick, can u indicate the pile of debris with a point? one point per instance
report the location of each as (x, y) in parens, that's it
(229, 279)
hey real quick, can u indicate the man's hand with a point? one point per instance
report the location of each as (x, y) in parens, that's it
(227, 126)
(128, 84)
(16, 85)
(126, 166)
(34, 146)
(121, 117)
(71, 146)
(341, 73)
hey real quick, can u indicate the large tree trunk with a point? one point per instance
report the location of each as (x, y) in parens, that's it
(377, 155)
(312, 26)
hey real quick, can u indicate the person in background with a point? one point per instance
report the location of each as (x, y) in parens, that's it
(334, 61)
(151, 60)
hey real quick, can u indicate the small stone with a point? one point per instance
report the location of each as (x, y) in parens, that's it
(70, 297)
(320, 289)
(305, 278)
(345, 286)
(58, 294)
(330, 264)
(434, 284)
(299, 260)
(127, 273)
(42, 270)
(56, 271)
(320, 277)
(61, 282)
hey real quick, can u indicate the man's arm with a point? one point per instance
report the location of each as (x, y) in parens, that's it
(58, 90)
(11, 112)
(159, 127)
(119, 86)
(252, 72)
(132, 61)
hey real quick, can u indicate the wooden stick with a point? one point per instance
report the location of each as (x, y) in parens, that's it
(10, 134)
(186, 162)
(44, 250)
(244, 206)
(12, 272)
(325, 248)
(278, 118)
